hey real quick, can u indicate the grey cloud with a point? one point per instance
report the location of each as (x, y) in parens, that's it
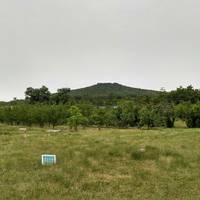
(75, 43)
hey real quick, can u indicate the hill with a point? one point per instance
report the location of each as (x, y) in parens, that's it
(114, 89)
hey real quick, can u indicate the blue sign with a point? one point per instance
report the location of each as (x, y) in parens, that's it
(48, 159)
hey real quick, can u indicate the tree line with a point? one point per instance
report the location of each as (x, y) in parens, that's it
(125, 114)
(63, 96)
(45, 109)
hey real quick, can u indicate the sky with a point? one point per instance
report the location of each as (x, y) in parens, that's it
(76, 43)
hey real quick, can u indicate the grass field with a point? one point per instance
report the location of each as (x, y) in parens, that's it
(107, 164)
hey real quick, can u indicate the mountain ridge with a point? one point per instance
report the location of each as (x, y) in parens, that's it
(113, 89)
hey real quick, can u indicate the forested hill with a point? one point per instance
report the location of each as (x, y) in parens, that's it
(107, 89)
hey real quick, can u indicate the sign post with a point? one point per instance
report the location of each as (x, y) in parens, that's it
(48, 159)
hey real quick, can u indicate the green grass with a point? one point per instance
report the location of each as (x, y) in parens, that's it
(107, 164)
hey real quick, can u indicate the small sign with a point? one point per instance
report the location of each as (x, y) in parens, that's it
(48, 159)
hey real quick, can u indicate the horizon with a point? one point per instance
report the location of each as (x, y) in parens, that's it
(23, 97)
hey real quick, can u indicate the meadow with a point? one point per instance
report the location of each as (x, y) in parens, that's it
(116, 164)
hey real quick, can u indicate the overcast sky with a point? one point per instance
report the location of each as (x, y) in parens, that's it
(76, 43)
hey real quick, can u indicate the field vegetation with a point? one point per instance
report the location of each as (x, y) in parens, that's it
(116, 143)
(40, 107)
(107, 164)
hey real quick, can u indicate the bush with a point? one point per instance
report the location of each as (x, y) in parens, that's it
(190, 113)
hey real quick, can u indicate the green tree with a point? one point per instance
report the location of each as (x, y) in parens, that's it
(166, 114)
(148, 117)
(40, 115)
(37, 95)
(181, 95)
(110, 118)
(190, 113)
(127, 114)
(98, 118)
(56, 114)
(76, 118)
(61, 97)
